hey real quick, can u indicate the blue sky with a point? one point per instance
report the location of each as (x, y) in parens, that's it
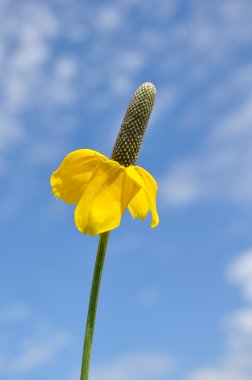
(176, 301)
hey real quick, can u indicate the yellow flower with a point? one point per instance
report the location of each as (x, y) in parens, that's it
(102, 189)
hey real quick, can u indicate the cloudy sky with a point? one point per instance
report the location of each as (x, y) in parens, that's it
(176, 301)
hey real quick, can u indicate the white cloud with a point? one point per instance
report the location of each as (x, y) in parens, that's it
(237, 125)
(43, 152)
(15, 312)
(235, 362)
(240, 272)
(37, 351)
(108, 18)
(31, 76)
(219, 166)
(180, 187)
(132, 366)
(130, 60)
(34, 344)
(219, 374)
(148, 298)
(137, 366)
(120, 84)
(66, 67)
(220, 169)
(167, 98)
(239, 321)
(11, 132)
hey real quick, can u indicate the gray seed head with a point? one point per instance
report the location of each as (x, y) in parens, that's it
(130, 137)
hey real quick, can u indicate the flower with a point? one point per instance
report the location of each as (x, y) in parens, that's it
(102, 189)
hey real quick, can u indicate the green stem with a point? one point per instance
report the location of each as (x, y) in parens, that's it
(101, 252)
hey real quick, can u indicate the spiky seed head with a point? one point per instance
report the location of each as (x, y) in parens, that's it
(130, 137)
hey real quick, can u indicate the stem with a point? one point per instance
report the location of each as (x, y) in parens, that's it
(101, 252)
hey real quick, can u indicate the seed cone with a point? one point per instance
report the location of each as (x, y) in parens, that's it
(130, 137)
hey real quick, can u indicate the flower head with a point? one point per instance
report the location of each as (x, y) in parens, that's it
(103, 188)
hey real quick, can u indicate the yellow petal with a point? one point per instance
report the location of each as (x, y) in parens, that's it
(145, 200)
(69, 180)
(105, 198)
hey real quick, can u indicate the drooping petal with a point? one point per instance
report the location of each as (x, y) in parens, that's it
(105, 198)
(145, 200)
(69, 180)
